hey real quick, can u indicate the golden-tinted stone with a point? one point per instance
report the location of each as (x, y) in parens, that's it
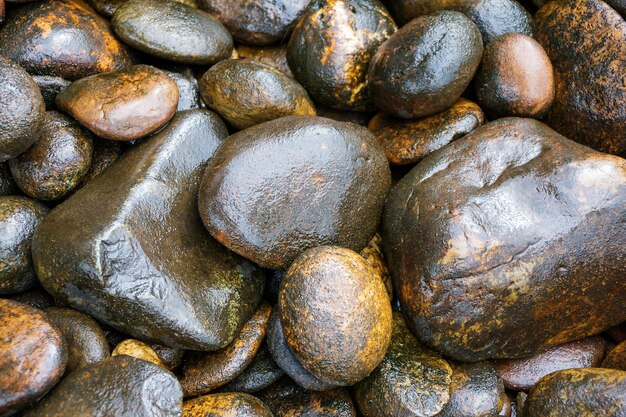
(139, 350)
(373, 254)
(231, 404)
(616, 359)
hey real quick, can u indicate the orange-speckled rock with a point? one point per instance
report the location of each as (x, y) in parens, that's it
(331, 47)
(204, 372)
(586, 42)
(589, 392)
(62, 37)
(230, 404)
(32, 355)
(407, 141)
(336, 314)
(373, 254)
(616, 359)
(515, 78)
(522, 374)
(508, 241)
(122, 105)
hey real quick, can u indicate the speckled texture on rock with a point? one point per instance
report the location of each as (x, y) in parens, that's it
(511, 221)
(139, 259)
(279, 188)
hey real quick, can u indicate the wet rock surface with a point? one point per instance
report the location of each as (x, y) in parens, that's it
(274, 56)
(141, 260)
(484, 263)
(319, 171)
(139, 350)
(226, 405)
(260, 374)
(616, 358)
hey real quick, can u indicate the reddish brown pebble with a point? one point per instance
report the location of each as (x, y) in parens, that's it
(122, 105)
(204, 372)
(32, 355)
(336, 314)
(407, 141)
(522, 374)
(230, 404)
(515, 78)
(616, 359)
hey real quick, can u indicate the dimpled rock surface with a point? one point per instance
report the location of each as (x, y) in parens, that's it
(120, 386)
(588, 392)
(247, 93)
(406, 76)
(256, 22)
(172, 31)
(276, 189)
(586, 42)
(22, 109)
(411, 381)
(336, 314)
(122, 105)
(511, 221)
(130, 249)
(331, 47)
(32, 355)
(231, 404)
(19, 217)
(63, 38)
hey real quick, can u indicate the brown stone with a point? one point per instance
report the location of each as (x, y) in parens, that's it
(139, 350)
(515, 78)
(274, 56)
(260, 374)
(232, 404)
(586, 42)
(407, 141)
(373, 254)
(522, 374)
(122, 105)
(203, 372)
(105, 153)
(336, 314)
(32, 355)
(616, 359)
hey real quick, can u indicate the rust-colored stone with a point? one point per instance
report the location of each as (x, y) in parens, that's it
(231, 404)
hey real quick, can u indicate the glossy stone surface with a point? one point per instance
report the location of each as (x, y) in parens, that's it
(260, 374)
(274, 56)
(139, 259)
(139, 350)
(511, 221)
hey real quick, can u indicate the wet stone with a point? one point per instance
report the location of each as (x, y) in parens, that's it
(50, 86)
(32, 355)
(357, 117)
(616, 358)
(226, 405)
(331, 47)
(276, 189)
(35, 297)
(512, 220)
(62, 38)
(105, 153)
(515, 78)
(522, 374)
(586, 42)
(405, 75)
(83, 337)
(7, 184)
(256, 22)
(203, 372)
(171, 357)
(274, 56)
(407, 141)
(373, 254)
(166, 280)
(578, 392)
(122, 105)
(336, 314)
(57, 163)
(19, 217)
(139, 350)
(22, 109)
(231, 88)
(411, 380)
(260, 374)
(172, 31)
(188, 89)
(120, 386)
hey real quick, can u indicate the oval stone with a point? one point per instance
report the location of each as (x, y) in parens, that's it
(63, 38)
(406, 77)
(32, 355)
(129, 247)
(586, 42)
(19, 217)
(511, 221)
(122, 105)
(57, 163)
(22, 109)
(120, 386)
(172, 31)
(231, 88)
(276, 189)
(331, 47)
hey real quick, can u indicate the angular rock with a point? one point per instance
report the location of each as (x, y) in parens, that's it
(120, 386)
(586, 42)
(281, 187)
(129, 247)
(63, 38)
(512, 221)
